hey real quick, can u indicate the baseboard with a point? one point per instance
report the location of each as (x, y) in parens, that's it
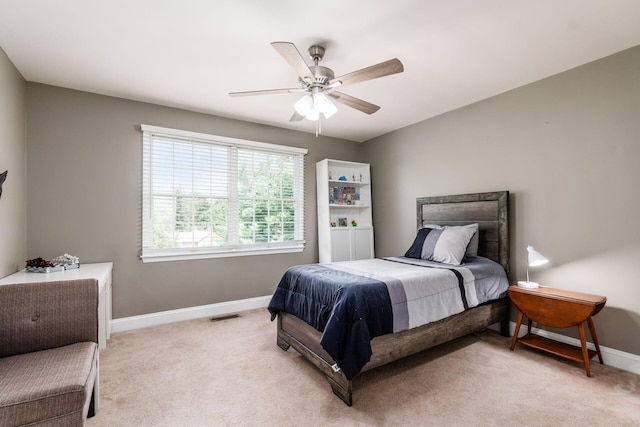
(170, 316)
(610, 356)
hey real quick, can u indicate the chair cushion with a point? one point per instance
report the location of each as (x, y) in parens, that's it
(48, 384)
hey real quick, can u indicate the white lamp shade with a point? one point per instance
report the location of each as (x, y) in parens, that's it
(323, 104)
(535, 258)
(330, 109)
(304, 105)
(320, 101)
(312, 115)
(310, 106)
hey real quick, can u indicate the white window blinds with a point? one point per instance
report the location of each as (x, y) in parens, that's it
(207, 196)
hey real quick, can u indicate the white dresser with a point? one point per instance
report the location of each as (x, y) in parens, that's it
(102, 272)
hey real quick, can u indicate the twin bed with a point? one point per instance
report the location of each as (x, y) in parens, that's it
(350, 317)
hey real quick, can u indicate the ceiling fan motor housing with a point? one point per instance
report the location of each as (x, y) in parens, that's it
(322, 74)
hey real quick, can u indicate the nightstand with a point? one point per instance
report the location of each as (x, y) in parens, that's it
(557, 308)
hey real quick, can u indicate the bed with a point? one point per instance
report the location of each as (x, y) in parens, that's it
(377, 319)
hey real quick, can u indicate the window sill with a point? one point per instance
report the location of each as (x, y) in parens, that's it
(176, 256)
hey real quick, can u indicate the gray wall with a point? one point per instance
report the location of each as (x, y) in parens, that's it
(84, 180)
(568, 150)
(13, 157)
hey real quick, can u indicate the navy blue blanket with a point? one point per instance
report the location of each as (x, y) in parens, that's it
(353, 310)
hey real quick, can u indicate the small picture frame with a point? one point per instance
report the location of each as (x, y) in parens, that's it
(342, 222)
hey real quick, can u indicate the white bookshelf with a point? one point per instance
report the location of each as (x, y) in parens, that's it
(349, 199)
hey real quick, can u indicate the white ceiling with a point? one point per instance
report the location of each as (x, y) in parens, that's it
(190, 53)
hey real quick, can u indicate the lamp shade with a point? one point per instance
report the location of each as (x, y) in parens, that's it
(535, 258)
(312, 115)
(310, 106)
(323, 104)
(304, 105)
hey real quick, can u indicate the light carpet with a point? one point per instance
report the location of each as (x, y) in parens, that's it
(231, 373)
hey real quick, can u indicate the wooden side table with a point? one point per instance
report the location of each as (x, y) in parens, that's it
(557, 308)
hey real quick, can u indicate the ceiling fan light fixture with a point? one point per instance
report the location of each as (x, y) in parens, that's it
(330, 110)
(317, 81)
(304, 105)
(313, 115)
(323, 104)
(320, 101)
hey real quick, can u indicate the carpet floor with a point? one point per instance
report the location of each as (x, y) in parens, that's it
(231, 373)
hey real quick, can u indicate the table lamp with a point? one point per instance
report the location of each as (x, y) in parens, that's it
(534, 259)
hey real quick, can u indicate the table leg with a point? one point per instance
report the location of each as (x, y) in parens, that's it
(585, 352)
(592, 330)
(515, 333)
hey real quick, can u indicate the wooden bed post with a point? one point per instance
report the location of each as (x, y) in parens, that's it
(279, 340)
(307, 342)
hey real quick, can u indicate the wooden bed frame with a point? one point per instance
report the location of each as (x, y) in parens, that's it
(491, 212)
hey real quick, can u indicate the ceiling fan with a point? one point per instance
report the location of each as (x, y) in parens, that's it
(319, 83)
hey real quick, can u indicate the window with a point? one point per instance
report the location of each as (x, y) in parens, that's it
(207, 196)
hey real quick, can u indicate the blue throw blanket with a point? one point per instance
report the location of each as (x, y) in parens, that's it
(349, 309)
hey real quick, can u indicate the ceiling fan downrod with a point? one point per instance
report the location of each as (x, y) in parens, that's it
(316, 52)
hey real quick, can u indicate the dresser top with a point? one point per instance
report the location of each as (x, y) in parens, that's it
(99, 271)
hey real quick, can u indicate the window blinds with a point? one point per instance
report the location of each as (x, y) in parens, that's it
(207, 196)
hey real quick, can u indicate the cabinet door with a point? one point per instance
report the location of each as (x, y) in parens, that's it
(340, 244)
(362, 243)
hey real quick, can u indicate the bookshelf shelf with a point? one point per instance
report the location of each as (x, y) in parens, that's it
(349, 206)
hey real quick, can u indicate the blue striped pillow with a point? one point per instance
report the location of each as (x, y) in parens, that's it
(447, 245)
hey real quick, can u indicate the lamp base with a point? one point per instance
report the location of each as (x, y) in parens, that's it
(528, 285)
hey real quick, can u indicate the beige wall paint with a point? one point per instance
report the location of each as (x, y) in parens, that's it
(84, 180)
(13, 157)
(568, 150)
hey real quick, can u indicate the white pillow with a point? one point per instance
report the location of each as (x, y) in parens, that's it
(472, 247)
(446, 245)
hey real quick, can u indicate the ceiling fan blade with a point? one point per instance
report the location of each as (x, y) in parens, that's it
(353, 102)
(291, 54)
(266, 92)
(382, 69)
(296, 117)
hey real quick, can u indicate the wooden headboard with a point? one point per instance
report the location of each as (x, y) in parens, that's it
(489, 210)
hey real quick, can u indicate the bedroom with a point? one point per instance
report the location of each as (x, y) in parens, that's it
(566, 148)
